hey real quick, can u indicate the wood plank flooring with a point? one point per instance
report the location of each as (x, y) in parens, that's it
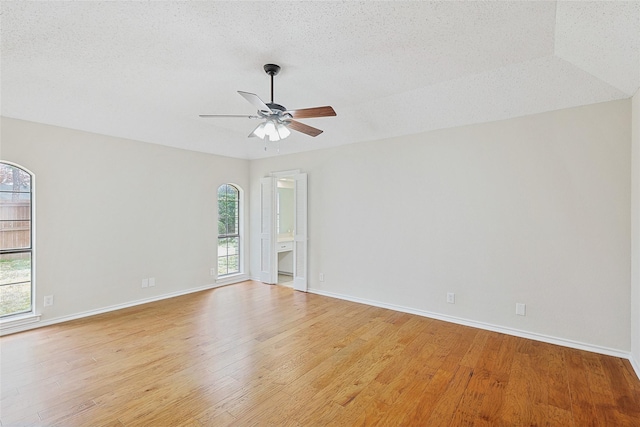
(253, 354)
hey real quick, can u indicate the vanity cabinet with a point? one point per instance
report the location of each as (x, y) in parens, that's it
(285, 246)
(285, 257)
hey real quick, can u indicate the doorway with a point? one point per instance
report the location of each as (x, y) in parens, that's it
(283, 229)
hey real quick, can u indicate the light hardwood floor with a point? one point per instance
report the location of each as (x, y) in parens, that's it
(253, 354)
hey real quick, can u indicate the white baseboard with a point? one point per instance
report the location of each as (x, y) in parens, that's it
(489, 327)
(635, 364)
(20, 327)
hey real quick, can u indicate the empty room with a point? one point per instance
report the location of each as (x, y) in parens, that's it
(320, 213)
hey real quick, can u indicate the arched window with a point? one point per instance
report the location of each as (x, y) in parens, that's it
(16, 241)
(228, 230)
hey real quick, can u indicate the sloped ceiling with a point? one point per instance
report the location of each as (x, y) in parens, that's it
(145, 70)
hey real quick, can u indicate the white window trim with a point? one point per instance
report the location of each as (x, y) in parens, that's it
(233, 277)
(230, 279)
(19, 319)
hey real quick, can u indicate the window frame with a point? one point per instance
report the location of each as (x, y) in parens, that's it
(6, 318)
(235, 235)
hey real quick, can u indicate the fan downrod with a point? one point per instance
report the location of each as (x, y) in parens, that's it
(272, 70)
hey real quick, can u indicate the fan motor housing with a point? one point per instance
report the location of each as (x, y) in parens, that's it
(276, 106)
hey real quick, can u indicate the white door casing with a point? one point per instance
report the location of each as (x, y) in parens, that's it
(268, 237)
(300, 281)
(268, 254)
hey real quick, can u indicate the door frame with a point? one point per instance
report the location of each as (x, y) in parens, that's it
(268, 239)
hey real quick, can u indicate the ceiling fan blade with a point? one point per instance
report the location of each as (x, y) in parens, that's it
(228, 115)
(308, 113)
(255, 101)
(301, 127)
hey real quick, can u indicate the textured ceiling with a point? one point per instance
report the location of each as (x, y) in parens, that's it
(145, 70)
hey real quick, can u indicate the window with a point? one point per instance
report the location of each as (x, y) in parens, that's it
(16, 240)
(228, 230)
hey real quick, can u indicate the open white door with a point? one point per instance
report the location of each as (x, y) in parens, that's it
(300, 233)
(268, 255)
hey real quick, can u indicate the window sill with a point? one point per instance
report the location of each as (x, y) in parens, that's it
(17, 321)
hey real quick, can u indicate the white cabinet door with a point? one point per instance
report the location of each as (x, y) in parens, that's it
(268, 254)
(300, 233)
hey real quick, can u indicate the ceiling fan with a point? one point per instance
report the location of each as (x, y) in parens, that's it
(277, 119)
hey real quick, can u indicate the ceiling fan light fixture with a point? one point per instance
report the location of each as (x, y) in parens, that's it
(259, 131)
(271, 131)
(274, 137)
(283, 131)
(269, 128)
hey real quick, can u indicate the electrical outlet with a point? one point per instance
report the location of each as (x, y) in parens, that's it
(145, 283)
(152, 281)
(451, 298)
(212, 272)
(48, 300)
(322, 277)
(521, 309)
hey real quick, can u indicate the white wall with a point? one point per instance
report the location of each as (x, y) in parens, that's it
(111, 212)
(533, 210)
(635, 236)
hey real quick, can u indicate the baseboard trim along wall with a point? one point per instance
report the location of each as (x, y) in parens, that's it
(635, 365)
(20, 327)
(489, 327)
